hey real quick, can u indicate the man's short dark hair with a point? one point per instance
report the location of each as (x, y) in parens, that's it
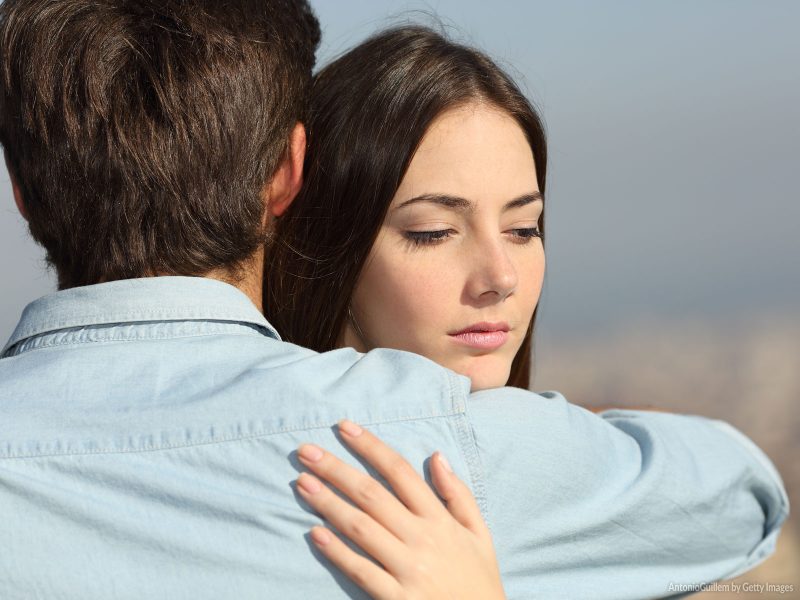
(142, 133)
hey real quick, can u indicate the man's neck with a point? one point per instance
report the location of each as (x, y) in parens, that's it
(248, 278)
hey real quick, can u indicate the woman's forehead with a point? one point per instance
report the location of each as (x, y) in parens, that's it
(473, 152)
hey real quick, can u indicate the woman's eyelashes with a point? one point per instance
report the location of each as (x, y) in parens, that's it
(416, 239)
(524, 235)
(427, 238)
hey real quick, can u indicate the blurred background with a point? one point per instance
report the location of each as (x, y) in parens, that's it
(672, 204)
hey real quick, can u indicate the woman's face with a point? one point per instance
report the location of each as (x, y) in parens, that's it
(457, 268)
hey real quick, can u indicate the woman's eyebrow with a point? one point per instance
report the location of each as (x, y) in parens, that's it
(523, 200)
(452, 202)
(463, 205)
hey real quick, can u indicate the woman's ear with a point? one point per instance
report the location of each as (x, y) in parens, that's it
(288, 179)
(16, 189)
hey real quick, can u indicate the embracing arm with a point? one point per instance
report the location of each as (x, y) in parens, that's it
(622, 505)
(626, 502)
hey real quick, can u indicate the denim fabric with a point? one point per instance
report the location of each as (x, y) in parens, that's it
(147, 437)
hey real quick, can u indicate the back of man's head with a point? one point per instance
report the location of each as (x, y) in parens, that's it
(142, 133)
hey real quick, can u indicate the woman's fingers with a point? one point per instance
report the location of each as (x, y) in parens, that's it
(366, 492)
(351, 522)
(424, 550)
(458, 497)
(371, 578)
(405, 481)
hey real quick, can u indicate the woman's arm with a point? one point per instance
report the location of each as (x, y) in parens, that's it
(427, 550)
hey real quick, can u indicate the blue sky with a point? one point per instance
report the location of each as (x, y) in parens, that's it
(674, 140)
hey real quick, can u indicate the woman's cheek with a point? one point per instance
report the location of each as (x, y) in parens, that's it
(410, 300)
(422, 296)
(530, 287)
(387, 302)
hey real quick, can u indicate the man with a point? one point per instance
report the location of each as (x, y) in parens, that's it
(148, 408)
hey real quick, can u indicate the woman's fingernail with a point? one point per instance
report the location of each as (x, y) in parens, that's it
(444, 462)
(310, 452)
(320, 536)
(350, 428)
(308, 483)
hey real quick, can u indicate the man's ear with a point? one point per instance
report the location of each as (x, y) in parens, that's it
(288, 179)
(16, 189)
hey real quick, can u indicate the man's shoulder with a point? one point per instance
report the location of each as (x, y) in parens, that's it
(382, 384)
(122, 395)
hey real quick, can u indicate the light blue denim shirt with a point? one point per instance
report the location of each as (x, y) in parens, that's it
(147, 437)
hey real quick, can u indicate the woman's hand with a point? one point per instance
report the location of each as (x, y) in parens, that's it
(427, 551)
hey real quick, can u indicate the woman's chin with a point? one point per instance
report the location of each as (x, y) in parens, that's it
(486, 372)
(480, 384)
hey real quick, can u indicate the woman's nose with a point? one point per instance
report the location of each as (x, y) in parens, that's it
(494, 275)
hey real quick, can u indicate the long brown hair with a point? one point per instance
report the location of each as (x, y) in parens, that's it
(369, 111)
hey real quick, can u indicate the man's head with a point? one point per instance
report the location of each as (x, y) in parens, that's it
(142, 136)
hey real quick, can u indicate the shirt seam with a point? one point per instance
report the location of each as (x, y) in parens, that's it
(177, 314)
(224, 440)
(469, 451)
(139, 318)
(49, 345)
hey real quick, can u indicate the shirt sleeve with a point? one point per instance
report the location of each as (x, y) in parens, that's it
(626, 504)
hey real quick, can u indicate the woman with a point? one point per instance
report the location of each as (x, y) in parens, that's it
(419, 228)
(423, 156)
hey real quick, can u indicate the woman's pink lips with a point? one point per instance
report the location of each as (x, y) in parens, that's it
(484, 336)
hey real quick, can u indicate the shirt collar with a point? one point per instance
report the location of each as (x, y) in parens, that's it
(139, 300)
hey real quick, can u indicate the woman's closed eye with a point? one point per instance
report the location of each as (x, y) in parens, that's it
(519, 235)
(523, 235)
(427, 238)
